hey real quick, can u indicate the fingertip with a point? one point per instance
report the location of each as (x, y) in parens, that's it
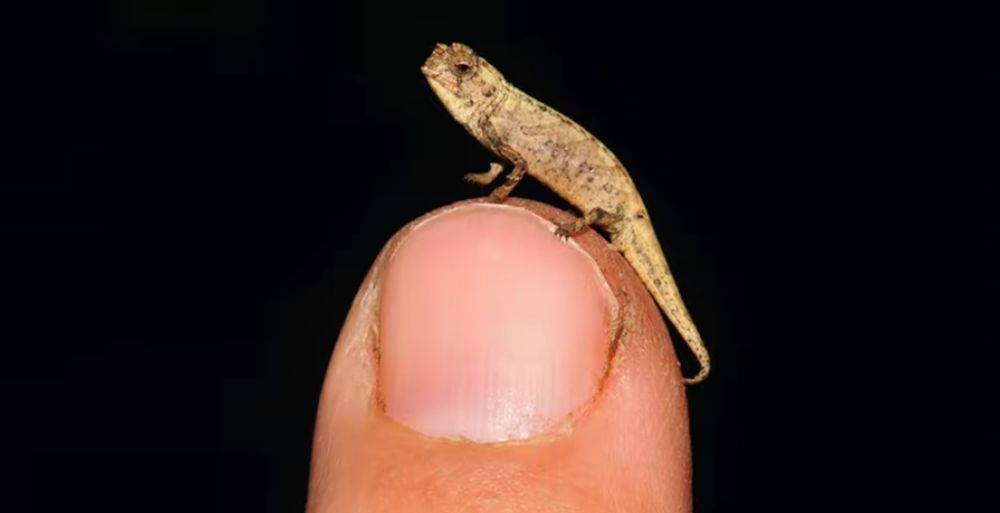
(623, 447)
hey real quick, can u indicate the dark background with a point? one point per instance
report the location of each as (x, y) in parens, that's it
(193, 192)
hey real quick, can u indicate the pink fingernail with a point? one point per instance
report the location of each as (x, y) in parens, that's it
(491, 329)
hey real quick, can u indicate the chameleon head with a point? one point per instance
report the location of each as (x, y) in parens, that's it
(464, 81)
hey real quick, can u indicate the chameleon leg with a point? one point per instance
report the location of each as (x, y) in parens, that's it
(597, 216)
(500, 193)
(486, 177)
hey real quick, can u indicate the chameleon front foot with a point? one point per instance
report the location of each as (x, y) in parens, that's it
(497, 197)
(500, 193)
(486, 177)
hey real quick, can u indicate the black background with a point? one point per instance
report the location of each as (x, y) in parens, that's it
(193, 193)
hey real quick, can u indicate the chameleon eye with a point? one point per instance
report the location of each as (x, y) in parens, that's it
(463, 68)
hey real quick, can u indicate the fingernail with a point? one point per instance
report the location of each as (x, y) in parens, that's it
(491, 329)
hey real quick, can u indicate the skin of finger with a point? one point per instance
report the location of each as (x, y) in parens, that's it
(628, 450)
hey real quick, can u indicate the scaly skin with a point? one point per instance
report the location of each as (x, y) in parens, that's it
(555, 150)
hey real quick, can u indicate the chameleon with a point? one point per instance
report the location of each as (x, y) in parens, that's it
(539, 141)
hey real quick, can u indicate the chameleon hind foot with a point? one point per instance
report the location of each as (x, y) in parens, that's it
(597, 216)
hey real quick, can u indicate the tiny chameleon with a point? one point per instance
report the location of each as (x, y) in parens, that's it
(549, 146)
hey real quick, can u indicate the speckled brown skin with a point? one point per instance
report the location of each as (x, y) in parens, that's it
(558, 152)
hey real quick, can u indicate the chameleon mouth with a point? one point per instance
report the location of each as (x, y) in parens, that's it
(442, 87)
(435, 70)
(429, 72)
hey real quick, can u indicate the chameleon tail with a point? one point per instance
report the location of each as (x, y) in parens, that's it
(655, 274)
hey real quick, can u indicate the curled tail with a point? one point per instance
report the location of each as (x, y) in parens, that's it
(639, 245)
